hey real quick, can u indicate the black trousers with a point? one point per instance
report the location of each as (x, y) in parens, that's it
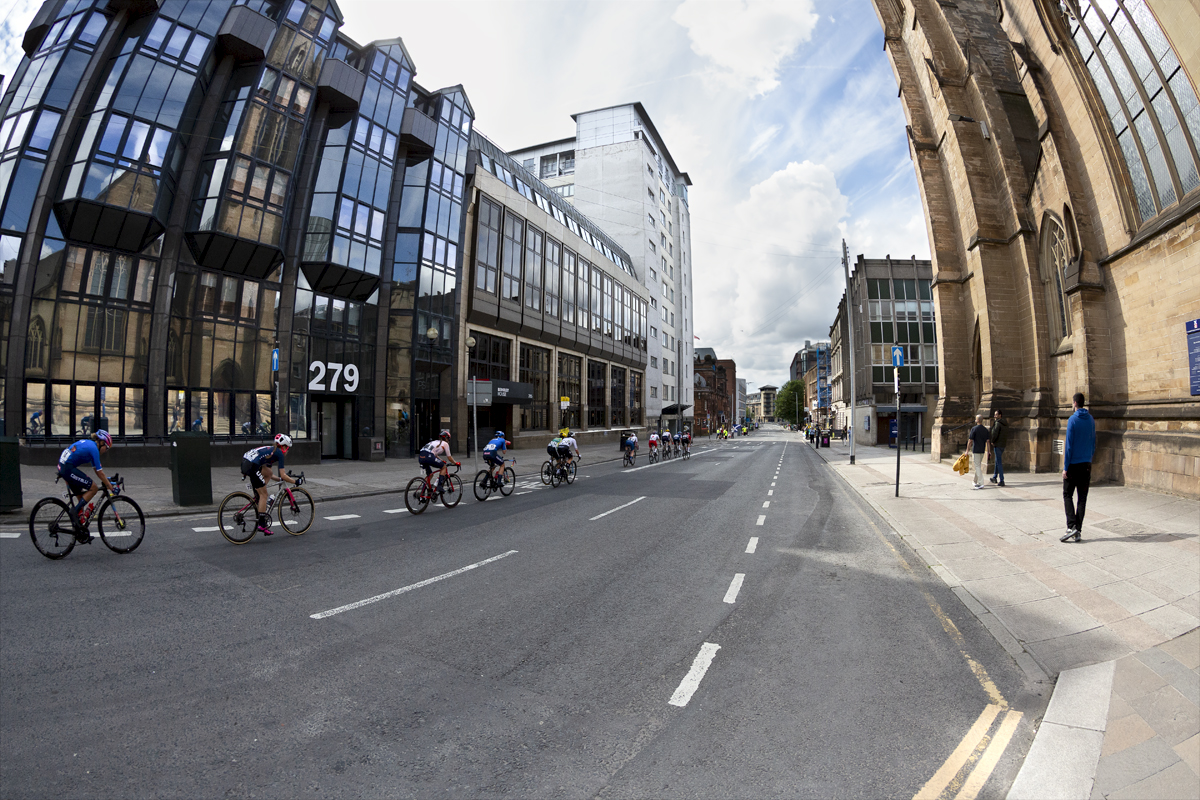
(1079, 478)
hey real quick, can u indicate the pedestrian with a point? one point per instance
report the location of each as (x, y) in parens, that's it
(997, 436)
(1077, 465)
(977, 444)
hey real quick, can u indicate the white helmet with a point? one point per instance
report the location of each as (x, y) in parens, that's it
(283, 440)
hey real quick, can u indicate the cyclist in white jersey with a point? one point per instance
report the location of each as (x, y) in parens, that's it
(436, 455)
(631, 443)
(568, 448)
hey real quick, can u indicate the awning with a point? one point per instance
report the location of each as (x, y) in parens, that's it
(905, 408)
(511, 392)
(674, 409)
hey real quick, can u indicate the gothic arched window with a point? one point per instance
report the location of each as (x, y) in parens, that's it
(35, 346)
(1056, 254)
(1146, 95)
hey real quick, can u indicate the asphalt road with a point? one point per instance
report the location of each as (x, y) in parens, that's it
(572, 665)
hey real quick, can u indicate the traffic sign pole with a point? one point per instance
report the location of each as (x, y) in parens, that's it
(897, 363)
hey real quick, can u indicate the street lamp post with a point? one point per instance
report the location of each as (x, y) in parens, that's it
(474, 404)
(431, 333)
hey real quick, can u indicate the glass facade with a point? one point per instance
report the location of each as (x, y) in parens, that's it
(304, 212)
(901, 312)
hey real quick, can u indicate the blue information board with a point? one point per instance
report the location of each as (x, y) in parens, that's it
(1193, 343)
(895, 429)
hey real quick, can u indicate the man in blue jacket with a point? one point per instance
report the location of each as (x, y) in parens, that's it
(1077, 465)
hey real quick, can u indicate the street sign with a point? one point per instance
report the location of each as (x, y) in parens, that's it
(897, 356)
(275, 360)
(896, 379)
(894, 428)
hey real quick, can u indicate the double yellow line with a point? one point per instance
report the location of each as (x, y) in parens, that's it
(980, 748)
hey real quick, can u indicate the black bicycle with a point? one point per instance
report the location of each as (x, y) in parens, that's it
(486, 483)
(55, 529)
(564, 472)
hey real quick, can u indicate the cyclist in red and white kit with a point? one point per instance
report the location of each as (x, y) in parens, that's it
(653, 441)
(436, 455)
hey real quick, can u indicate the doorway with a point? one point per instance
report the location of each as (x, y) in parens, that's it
(332, 420)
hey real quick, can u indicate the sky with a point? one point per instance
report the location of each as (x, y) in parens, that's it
(784, 114)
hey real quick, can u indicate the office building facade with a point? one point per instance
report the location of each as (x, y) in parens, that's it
(226, 218)
(619, 173)
(554, 308)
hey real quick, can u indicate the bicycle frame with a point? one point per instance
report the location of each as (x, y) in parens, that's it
(98, 500)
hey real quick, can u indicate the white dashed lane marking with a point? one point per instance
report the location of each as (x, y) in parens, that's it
(734, 587)
(753, 545)
(761, 519)
(691, 681)
(766, 504)
(343, 516)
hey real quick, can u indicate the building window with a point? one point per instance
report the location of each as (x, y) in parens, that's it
(511, 249)
(492, 357)
(535, 370)
(487, 246)
(1146, 94)
(636, 405)
(534, 247)
(1056, 254)
(617, 392)
(595, 394)
(570, 384)
(553, 276)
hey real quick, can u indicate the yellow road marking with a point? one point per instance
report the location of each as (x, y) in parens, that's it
(983, 770)
(966, 748)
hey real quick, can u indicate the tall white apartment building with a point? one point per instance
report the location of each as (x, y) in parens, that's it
(618, 172)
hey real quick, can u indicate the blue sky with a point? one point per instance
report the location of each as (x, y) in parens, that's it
(784, 114)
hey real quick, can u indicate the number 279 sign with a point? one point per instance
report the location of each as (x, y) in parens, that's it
(347, 374)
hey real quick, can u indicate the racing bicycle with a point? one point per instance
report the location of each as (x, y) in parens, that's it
(54, 526)
(653, 455)
(421, 491)
(630, 455)
(238, 515)
(486, 483)
(563, 472)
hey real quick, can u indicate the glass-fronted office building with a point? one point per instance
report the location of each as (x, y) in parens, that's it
(226, 217)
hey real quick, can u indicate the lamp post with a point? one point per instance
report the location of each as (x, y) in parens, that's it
(431, 334)
(474, 406)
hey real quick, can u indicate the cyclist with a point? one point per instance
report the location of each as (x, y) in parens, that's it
(566, 446)
(493, 456)
(631, 444)
(256, 466)
(436, 455)
(652, 441)
(85, 451)
(675, 437)
(552, 447)
(687, 439)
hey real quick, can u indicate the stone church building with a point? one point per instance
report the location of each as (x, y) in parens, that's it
(1056, 145)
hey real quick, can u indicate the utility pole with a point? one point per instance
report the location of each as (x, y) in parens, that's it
(850, 331)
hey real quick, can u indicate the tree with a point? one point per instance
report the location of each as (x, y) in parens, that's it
(788, 400)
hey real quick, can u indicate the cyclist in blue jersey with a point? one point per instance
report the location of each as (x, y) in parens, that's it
(85, 452)
(256, 466)
(493, 455)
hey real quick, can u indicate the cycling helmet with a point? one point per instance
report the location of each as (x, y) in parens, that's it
(283, 440)
(103, 438)
(445, 434)
(500, 434)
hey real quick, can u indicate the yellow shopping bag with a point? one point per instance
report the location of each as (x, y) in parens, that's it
(963, 465)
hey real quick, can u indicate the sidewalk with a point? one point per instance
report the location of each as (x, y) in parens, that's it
(1112, 620)
(329, 480)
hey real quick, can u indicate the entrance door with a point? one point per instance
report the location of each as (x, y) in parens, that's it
(429, 421)
(333, 423)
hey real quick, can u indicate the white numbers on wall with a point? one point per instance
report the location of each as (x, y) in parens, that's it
(347, 373)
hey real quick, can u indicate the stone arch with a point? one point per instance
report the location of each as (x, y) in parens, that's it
(1053, 257)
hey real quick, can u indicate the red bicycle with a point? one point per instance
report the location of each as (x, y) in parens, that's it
(422, 491)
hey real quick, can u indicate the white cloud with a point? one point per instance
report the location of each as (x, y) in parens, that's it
(12, 31)
(748, 40)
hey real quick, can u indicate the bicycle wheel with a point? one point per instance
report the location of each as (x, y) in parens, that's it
(415, 498)
(121, 524)
(452, 493)
(51, 528)
(482, 485)
(510, 481)
(547, 472)
(296, 516)
(238, 518)
(571, 472)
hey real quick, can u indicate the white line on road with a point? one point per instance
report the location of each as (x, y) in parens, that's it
(761, 519)
(410, 587)
(343, 516)
(734, 587)
(771, 492)
(618, 508)
(766, 504)
(750, 548)
(691, 681)
(7, 535)
(212, 529)
(772, 484)
(395, 511)
(521, 493)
